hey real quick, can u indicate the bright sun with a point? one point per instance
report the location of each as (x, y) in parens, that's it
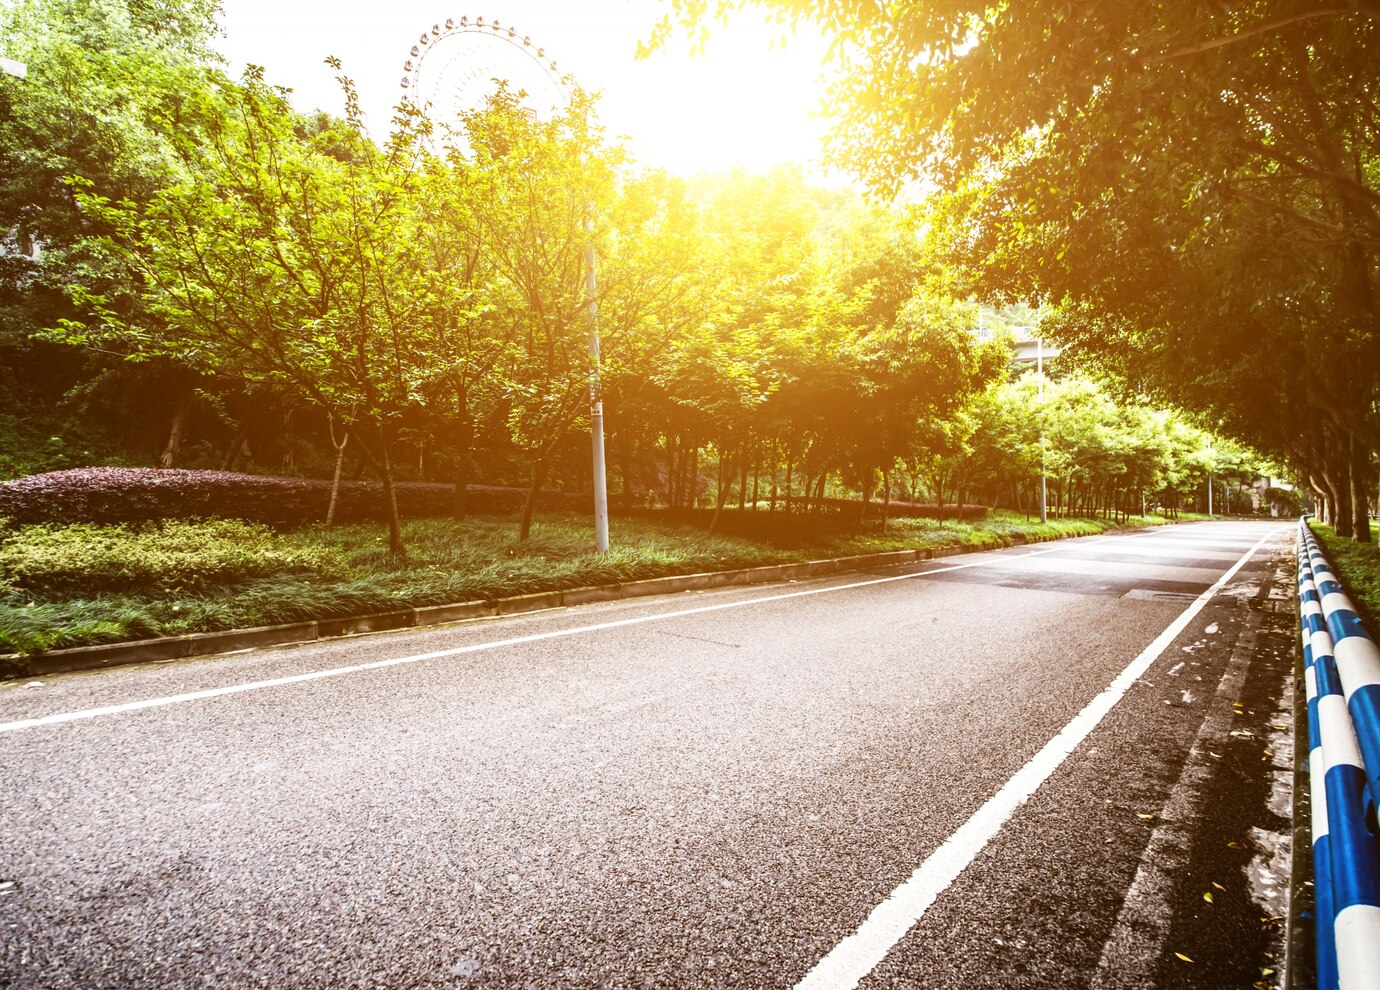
(749, 100)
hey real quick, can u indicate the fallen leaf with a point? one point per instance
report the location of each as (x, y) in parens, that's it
(1148, 818)
(1207, 896)
(1215, 756)
(1218, 886)
(1183, 957)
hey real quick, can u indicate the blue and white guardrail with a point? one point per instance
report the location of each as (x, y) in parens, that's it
(1342, 678)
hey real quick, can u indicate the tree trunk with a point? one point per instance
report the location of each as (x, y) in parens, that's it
(529, 504)
(672, 472)
(886, 498)
(172, 450)
(1339, 499)
(289, 459)
(460, 505)
(335, 476)
(693, 488)
(390, 495)
(624, 466)
(236, 446)
(721, 496)
(1360, 491)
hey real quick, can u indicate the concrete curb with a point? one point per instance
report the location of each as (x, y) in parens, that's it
(236, 640)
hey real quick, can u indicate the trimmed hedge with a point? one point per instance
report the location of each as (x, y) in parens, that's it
(170, 558)
(131, 495)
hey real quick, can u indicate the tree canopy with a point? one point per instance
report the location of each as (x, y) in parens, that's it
(281, 290)
(1192, 189)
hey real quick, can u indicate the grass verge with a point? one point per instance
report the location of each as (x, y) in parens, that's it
(82, 585)
(1358, 565)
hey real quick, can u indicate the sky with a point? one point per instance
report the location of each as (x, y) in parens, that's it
(751, 99)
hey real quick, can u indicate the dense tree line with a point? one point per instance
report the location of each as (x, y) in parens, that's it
(1192, 189)
(286, 286)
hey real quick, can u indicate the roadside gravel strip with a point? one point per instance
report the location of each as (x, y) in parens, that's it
(942, 775)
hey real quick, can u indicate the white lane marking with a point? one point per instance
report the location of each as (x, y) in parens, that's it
(858, 954)
(131, 706)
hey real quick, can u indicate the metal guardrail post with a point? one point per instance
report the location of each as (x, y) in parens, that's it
(1358, 660)
(1324, 941)
(1346, 851)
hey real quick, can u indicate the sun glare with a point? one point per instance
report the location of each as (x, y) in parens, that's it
(749, 99)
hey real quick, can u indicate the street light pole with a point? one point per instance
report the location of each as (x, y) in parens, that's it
(468, 89)
(596, 403)
(1040, 386)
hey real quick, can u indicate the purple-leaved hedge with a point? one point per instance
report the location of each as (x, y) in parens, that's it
(128, 495)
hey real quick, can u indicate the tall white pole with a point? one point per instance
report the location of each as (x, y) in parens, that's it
(1040, 386)
(1209, 493)
(596, 404)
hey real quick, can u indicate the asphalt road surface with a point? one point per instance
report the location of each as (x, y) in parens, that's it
(1055, 766)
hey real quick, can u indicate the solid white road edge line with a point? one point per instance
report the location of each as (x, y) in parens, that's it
(858, 954)
(176, 699)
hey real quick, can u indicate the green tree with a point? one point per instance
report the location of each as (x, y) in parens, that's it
(290, 258)
(1194, 187)
(543, 184)
(111, 94)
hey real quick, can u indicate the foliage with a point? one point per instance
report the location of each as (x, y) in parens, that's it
(1358, 565)
(1193, 189)
(137, 582)
(132, 495)
(246, 284)
(174, 558)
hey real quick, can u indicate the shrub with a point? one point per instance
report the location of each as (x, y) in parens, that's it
(129, 495)
(1287, 501)
(177, 557)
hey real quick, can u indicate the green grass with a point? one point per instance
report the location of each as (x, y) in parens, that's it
(1358, 565)
(79, 585)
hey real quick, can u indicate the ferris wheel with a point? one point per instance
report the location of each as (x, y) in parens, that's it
(457, 67)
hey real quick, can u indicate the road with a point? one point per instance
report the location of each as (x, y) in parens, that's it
(1023, 768)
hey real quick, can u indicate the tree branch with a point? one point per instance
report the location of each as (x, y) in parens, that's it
(1360, 7)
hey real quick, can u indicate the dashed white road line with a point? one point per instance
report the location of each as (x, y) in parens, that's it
(859, 953)
(316, 675)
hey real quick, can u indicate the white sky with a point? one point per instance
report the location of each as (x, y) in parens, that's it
(743, 102)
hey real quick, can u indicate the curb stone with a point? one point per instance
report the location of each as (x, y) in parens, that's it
(235, 640)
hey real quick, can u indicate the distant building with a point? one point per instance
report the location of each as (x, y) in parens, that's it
(1025, 344)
